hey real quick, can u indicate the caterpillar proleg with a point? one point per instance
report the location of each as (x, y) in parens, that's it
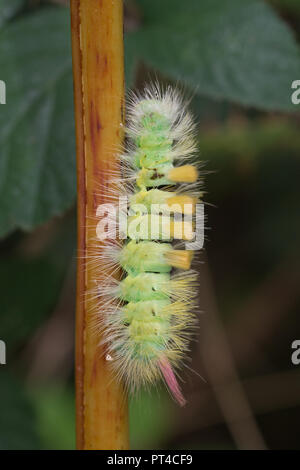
(148, 316)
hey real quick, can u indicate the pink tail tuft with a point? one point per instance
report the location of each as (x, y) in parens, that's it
(171, 381)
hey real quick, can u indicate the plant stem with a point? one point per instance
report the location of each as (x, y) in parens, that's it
(98, 72)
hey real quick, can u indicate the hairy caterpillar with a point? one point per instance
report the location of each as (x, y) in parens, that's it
(148, 315)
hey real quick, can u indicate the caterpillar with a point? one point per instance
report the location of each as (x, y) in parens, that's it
(148, 318)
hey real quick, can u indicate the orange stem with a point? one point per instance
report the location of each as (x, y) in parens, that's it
(98, 72)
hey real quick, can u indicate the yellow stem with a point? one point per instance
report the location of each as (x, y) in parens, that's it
(98, 72)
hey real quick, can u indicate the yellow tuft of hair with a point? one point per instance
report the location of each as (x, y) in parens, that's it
(181, 259)
(183, 174)
(184, 204)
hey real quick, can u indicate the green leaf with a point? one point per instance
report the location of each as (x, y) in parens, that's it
(30, 288)
(37, 163)
(229, 49)
(17, 416)
(8, 9)
(240, 51)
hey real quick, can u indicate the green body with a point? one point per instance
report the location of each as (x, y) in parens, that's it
(148, 198)
(146, 315)
(148, 324)
(153, 157)
(145, 256)
(144, 286)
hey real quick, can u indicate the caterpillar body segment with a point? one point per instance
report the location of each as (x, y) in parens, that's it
(150, 318)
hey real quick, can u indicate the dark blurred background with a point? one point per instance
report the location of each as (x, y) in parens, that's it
(236, 61)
